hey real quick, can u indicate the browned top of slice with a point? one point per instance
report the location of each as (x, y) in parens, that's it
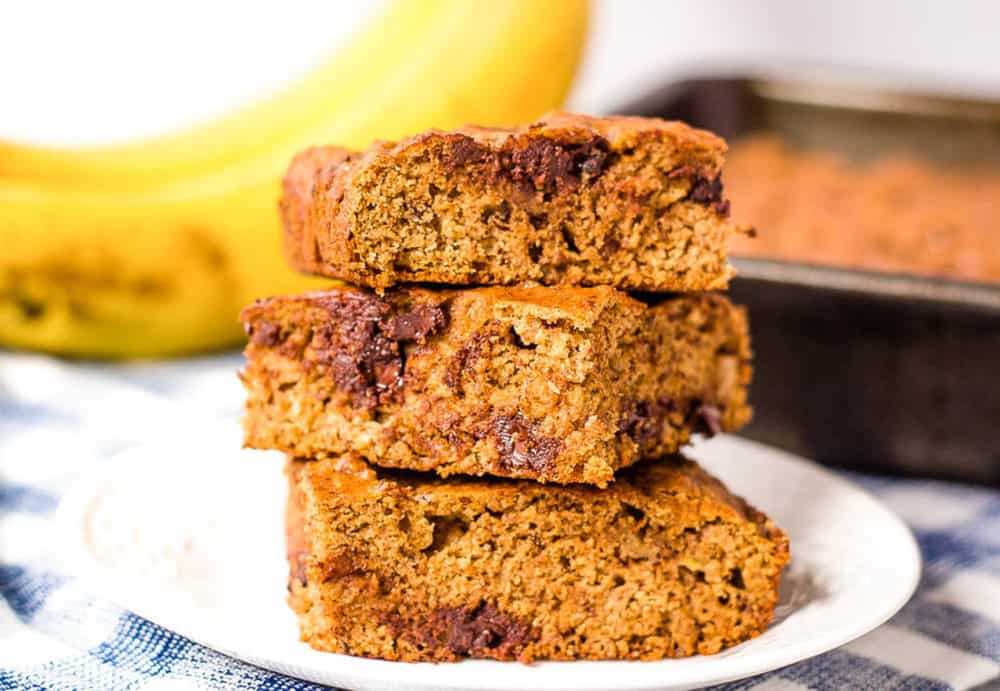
(598, 136)
(532, 158)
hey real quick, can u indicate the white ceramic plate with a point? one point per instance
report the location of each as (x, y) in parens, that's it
(189, 535)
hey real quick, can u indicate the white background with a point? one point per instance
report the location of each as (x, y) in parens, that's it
(111, 70)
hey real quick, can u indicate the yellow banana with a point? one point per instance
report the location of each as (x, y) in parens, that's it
(412, 49)
(153, 248)
(101, 276)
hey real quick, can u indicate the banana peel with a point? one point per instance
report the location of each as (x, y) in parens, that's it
(152, 249)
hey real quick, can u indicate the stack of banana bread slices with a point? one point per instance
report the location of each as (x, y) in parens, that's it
(482, 426)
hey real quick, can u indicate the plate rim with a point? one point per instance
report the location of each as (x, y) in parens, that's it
(87, 569)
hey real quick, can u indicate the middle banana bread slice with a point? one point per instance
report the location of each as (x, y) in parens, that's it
(553, 384)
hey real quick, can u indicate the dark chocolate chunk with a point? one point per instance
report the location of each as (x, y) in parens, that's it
(541, 162)
(463, 151)
(519, 446)
(359, 358)
(361, 344)
(532, 162)
(474, 631)
(643, 421)
(705, 190)
(638, 424)
(418, 324)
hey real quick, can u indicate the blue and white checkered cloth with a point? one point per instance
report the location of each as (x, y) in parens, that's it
(58, 419)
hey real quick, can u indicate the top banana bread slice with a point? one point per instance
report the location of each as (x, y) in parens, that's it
(630, 202)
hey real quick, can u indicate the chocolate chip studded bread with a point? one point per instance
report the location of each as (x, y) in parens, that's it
(630, 202)
(558, 385)
(404, 566)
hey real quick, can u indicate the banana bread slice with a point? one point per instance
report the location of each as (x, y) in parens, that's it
(406, 566)
(561, 385)
(630, 202)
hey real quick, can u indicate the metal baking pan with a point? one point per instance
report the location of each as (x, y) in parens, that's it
(859, 369)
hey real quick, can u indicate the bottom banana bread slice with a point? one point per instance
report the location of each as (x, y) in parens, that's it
(405, 566)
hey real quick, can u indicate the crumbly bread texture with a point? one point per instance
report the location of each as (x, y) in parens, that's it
(404, 566)
(630, 202)
(559, 385)
(897, 214)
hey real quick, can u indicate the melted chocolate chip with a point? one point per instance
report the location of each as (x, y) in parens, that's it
(417, 324)
(361, 345)
(532, 162)
(643, 421)
(542, 163)
(464, 151)
(550, 165)
(360, 359)
(482, 631)
(705, 190)
(519, 446)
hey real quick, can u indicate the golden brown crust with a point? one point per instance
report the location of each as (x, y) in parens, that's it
(557, 385)
(400, 566)
(573, 200)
